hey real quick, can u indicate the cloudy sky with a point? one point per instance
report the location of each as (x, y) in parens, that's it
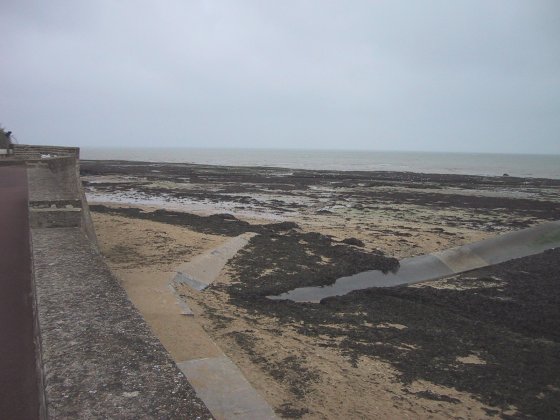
(480, 76)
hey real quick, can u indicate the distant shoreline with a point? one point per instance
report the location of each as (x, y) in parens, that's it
(524, 166)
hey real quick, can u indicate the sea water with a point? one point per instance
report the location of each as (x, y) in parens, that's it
(488, 164)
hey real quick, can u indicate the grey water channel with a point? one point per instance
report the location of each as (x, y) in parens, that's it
(442, 264)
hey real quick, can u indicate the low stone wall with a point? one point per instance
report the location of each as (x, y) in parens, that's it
(27, 151)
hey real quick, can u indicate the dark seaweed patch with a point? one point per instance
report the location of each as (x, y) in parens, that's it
(511, 325)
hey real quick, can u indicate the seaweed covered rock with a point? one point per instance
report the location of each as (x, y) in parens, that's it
(353, 241)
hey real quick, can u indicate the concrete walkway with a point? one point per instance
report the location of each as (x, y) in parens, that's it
(202, 270)
(216, 379)
(19, 385)
(218, 382)
(491, 251)
(224, 389)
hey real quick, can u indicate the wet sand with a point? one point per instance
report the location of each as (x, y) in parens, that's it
(478, 345)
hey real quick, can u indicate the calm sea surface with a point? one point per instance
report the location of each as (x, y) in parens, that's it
(537, 166)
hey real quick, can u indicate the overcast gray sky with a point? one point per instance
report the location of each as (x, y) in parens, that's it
(480, 76)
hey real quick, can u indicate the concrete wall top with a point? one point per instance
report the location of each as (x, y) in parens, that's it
(28, 151)
(100, 358)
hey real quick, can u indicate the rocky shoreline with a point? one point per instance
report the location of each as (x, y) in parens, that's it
(480, 344)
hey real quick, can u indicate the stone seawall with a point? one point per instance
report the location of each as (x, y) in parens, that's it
(96, 356)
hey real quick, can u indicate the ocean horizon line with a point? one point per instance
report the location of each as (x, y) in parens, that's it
(484, 164)
(326, 150)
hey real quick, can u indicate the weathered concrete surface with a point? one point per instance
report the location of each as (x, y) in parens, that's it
(490, 251)
(100, 358)
(19, 379)
(55, 192)
(225, 390)
(501, 248)
(53, 179)
(202, 270)
(55, 217)
(179, 301)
